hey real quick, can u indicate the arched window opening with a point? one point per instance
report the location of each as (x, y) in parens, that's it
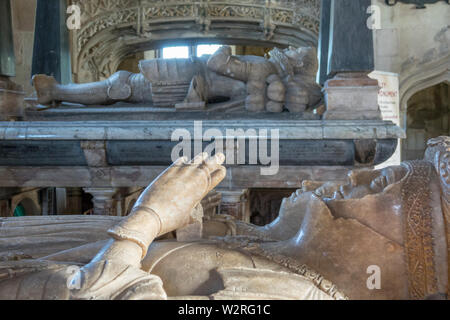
(19, 211)
(427, 117)
(207, 49)
(26, 207)
(131, 62)
(178, 52)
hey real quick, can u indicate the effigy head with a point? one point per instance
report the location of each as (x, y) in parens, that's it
(362, 182)
(438, 153)
(296, 61)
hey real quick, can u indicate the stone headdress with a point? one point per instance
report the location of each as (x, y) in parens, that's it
(426, 256)
(438, 153)
(291, 61)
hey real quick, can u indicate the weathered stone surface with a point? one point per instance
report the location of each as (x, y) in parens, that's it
(94, 153)
(352, 96)
(141, 112)
(309, 251)
(162, 130)
(37, 153)
(132, 153)
(191, 232)
(11, 100)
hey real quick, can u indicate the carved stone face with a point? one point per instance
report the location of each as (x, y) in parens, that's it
(360, 184)
(303, 60)
(300, 61)
(438, 153)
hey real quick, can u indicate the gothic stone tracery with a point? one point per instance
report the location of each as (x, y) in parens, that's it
(113, 29)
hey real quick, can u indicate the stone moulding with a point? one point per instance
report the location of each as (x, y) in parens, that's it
(112, 29)
(420, 4)
(104, 145)
(162, 130)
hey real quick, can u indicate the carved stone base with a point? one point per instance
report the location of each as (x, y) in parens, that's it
(191, 106)
(11, 100)
(233, 204)
(102, 200)
(352, 96)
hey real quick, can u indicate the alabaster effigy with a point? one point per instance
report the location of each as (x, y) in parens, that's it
(284, 79)
(320, 247)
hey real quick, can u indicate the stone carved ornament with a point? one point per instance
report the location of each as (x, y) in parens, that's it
(285, 79)
(320, 246)
(112, 29)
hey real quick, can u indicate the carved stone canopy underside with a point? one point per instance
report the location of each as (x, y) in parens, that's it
(113, 29)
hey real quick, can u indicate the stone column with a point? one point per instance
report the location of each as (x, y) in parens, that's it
(74, 201)
(11, 94)
(45, 201)
(61, 200)
(324, 39)
(349, 93)
(7, 58)
(102, 200)
(233, 203)
(51, 53)
(4, 208)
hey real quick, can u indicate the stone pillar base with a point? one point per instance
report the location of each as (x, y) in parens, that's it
(102, 200)
(11, 100)
(233, 202)
(352, 96)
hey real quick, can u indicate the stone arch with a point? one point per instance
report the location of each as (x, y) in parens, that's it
(30, 202)
(114, 29)
(421, 78)
(425, 76)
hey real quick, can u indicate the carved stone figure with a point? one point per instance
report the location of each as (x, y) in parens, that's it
(322, 246)
(285, 79)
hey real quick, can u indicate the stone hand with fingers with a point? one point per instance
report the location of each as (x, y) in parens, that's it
(167, 203)
(180, 188)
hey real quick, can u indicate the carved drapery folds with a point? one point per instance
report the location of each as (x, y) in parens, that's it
(112, 29)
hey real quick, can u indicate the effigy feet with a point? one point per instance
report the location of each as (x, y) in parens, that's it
(44, 86)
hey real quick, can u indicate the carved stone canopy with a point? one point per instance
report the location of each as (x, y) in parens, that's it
(113, 29)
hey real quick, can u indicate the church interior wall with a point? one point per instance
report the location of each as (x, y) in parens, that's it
(23, 18)
(414, 45)
(406, 39)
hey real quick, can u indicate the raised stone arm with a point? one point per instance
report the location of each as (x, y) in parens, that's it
(166, 205)
(265, 91)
